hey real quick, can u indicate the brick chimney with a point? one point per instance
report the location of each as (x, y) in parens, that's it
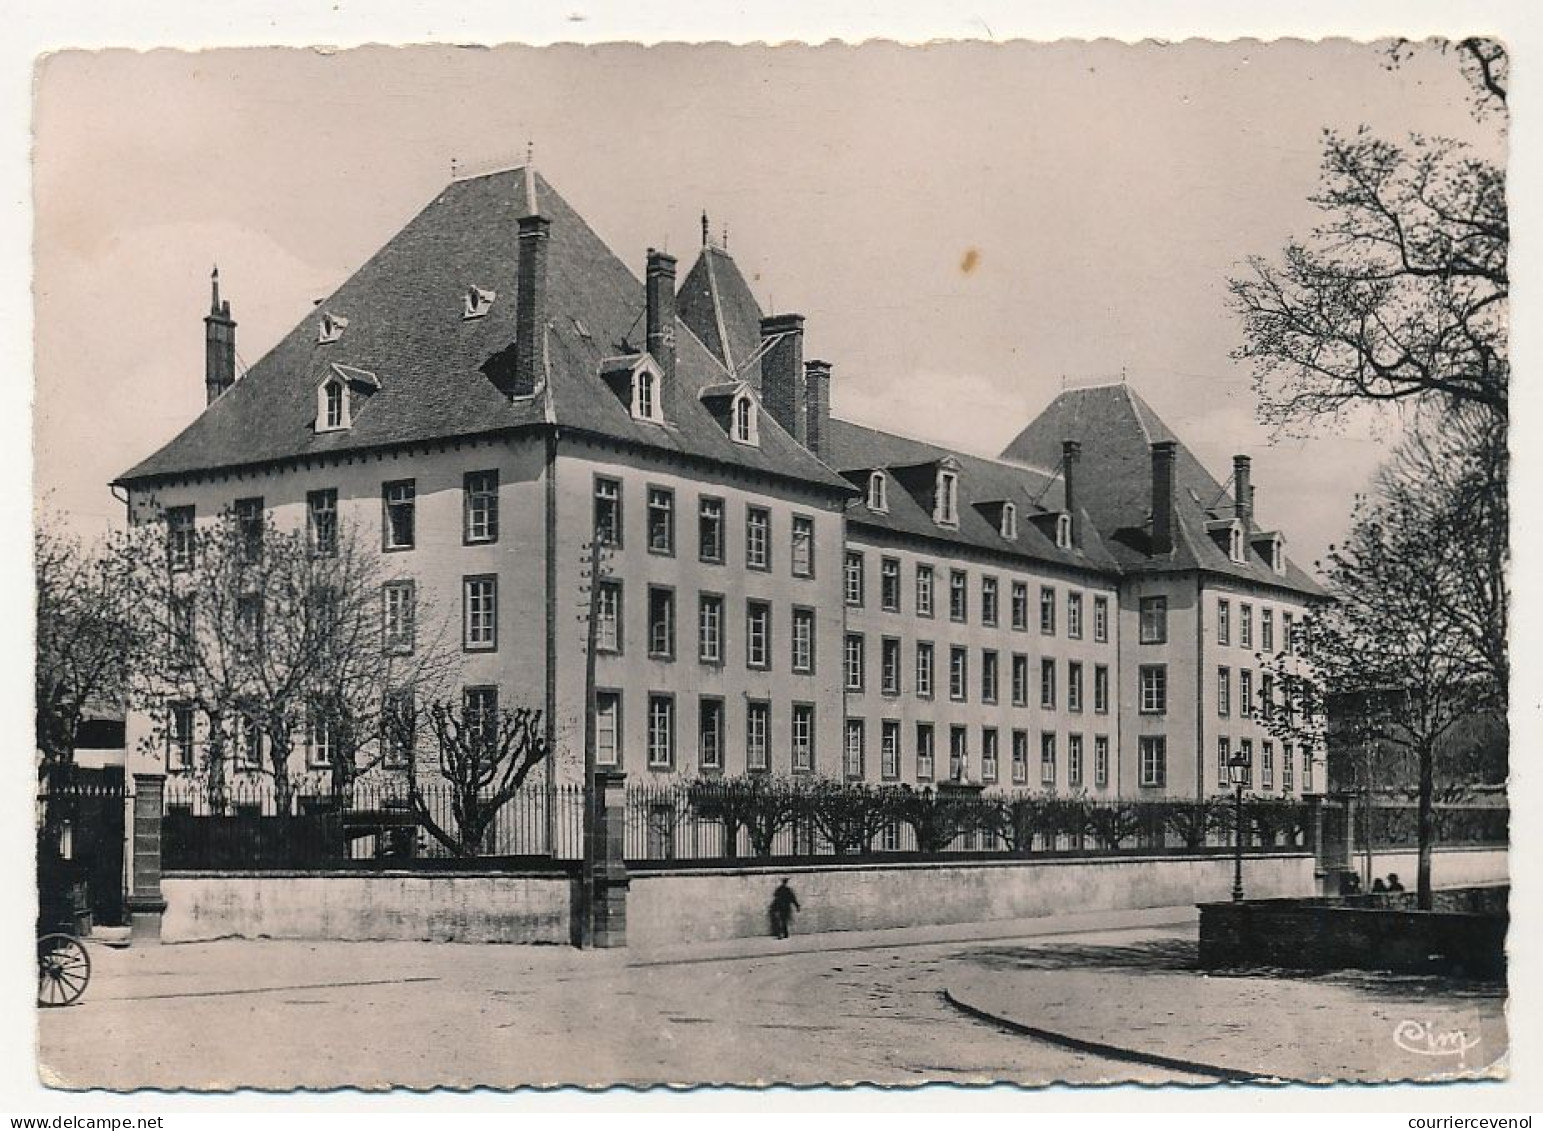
(659, 288)
(1071, 457)
(782, 372)
(1163, 456)
(817, 405)
(530, 306)
(219, 343)
(1242, 489)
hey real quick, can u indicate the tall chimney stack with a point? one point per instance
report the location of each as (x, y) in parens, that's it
(1164, 454)
(817, 406)
(530, 317)
(782, 372)
(1071, 457)
(1242, 489)
(219, 343)
(659, 289)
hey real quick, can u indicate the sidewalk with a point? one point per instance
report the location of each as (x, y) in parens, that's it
(1147, 998)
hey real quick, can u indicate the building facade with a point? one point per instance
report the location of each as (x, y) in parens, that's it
(782, 591)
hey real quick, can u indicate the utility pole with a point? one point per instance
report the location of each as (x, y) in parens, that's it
(592, 824)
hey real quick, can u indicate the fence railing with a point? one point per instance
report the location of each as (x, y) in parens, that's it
(377, 823)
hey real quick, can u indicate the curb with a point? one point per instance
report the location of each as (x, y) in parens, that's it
(1114, 1052)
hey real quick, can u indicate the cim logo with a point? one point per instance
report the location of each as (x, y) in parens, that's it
(1423, 1038)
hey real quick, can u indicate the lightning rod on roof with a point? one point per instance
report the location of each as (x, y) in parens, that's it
(530, 179)
(725, 237)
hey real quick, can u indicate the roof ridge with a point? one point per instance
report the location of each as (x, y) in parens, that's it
(997, 460)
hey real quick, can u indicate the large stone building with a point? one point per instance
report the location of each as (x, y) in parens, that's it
(786, 592)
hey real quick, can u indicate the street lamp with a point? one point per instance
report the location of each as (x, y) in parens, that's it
(1238, 774)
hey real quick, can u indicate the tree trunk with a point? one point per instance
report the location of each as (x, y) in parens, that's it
(1427, 825)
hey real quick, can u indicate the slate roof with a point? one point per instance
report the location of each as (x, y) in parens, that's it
(857, 450)
(405, 306)
(716, 302)
(1116, 429)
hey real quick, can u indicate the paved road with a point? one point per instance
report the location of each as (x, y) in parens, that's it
(321, 1015)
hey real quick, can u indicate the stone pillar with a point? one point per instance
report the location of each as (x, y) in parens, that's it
(608, 896)
(145, 902)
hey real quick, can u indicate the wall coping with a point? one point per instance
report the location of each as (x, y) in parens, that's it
(943, 865)
(372, 874)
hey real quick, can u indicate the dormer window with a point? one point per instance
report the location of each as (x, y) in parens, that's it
(331, 327)
(339, 394)
(878, 493)
(744, 427)
(1063, 531)
(335, 406)
(638, 384)
(1010, 522)
(645, 395)
(477, 301)
(1277, 556)
(945, 510)
(1235, 543)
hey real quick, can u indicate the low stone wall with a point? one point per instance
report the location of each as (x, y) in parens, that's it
(1450, 867)
(352, 906)
(668, 907)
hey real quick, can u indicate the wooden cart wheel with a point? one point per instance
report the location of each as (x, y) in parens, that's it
(64, 968)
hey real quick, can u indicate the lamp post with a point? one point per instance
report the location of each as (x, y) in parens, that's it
(1237, 774)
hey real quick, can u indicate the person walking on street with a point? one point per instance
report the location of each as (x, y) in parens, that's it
(783, 904)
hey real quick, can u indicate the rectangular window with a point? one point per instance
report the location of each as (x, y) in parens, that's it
(803, 641)
(1246, 749)
(1287, 771)
(249, 529)
(757, 634)
(757, 730)
(988, 601)
(1245, 626)
(924, 577)
(1074, 616)
(1074, 761)
(321, 736)
(757, 538)
(1020, 680)
(1020, 757)
(661, 732)
(710, 530)
(889, 585)
(1266, 695)
(889, 666)
(958, 673)
(1223, 756)
(803, 546)
(608, 728)
(661, 623)
(479, 710)
(889, 749)
(1047, 760)
(958, 754)
(1245, 693)
(1288, 633)
(608, 618)
(1047, 611)
(1074, 686)
(1154, 620)
(1154, 689)
(1267, 630)
(400, 501)
(925, 751)
(852, 753)
(608, 525)
(1101, 689)
(1223, 622)
(958, 596)
(321, 513)
(1047, 684)
(480, 598)
(480, 491)
(399, 726)
(710, 733)
(661, 521)
(988, 754)
(1101, 619)
(248, 743)
(184, 638)
(854, 661)
(924, 669)
(179, 538)
(989, 676)
(1100, 761)
(1267, 765)
(1154, 761)
(1223, 692)
(853, 578)
(398, 615)
(1307, 770)
(1020, 603)
(179, 737)
(710, 628)
(249, 621)
(803, 737)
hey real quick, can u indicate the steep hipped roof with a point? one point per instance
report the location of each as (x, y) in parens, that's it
(983, 485)
(1116, 429)
(717, 304)
(406, 326)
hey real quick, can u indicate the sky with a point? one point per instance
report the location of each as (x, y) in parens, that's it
(965, 226)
